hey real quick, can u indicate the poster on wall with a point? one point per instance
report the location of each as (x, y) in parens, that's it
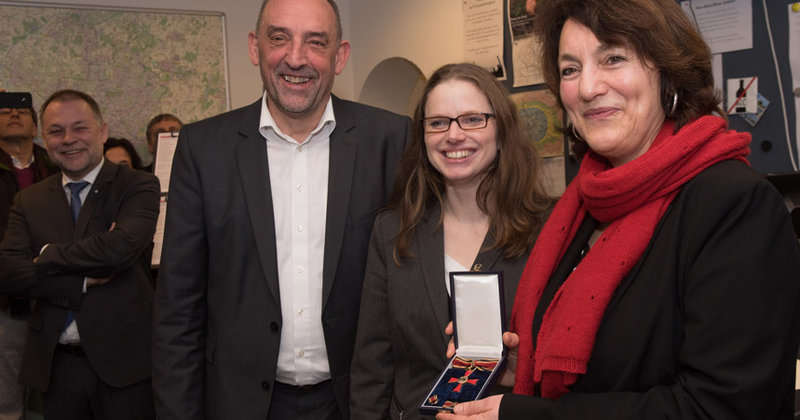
(136, 63)
(542, 121)
(794, 64)
(483, 35)
(525, 48)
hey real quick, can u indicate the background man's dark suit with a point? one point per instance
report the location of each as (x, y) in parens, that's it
(114, 319)
(218, 317)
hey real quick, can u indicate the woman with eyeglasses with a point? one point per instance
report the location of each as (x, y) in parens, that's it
(468, 197)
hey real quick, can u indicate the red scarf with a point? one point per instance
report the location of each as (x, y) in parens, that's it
(632, 198)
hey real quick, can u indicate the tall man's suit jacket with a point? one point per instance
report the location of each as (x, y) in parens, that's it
(114, 319)
(218, 315)
(401, 344)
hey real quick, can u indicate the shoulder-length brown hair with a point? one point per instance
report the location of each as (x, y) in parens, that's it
(510, 192)
(657, 30)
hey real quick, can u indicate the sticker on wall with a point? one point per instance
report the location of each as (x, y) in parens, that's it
(743, 95)
(752, 119)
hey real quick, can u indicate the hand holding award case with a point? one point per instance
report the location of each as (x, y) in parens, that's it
(477, 308)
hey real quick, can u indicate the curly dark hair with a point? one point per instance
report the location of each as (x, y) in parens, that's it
(657, 30)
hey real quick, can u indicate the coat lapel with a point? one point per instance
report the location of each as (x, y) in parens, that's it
(59, 212)
(340, 181)
(430, 237)
(93, 199)
(253, 169)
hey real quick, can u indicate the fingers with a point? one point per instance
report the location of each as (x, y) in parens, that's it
(451, 346)
(510, 339)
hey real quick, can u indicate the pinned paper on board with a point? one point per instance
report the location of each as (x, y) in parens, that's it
(742, 95)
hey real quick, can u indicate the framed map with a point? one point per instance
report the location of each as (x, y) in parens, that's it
(135, 63)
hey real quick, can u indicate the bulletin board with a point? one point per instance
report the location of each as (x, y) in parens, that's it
(770, 148)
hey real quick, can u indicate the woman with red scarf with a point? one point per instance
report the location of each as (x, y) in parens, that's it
(666, 282)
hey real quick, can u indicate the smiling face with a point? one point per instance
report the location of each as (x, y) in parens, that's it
(461, 156)
(299, 53)
(17, 123)
(609, 93)
(73, 136)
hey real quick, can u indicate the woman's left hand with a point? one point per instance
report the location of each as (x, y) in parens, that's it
(485, 409)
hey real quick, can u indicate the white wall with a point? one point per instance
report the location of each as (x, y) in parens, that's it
(429, 33)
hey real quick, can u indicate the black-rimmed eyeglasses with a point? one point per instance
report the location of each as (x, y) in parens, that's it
(465, 122)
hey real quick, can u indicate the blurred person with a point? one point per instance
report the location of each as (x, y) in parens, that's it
(79, 242)
(121, 151)
(161, 123)
(665, 282)
(467, 198)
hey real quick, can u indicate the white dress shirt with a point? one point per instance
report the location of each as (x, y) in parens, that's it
(298, 172)
(70, 334)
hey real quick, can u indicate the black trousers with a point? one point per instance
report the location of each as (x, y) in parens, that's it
(77, 393)
(291, 402)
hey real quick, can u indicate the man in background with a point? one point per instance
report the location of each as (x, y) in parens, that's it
(80, 244)
(22, 163)
(161, 123)
(270, 213)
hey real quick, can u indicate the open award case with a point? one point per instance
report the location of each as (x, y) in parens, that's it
(476, 303)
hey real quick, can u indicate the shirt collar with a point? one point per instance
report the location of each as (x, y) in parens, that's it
(90, 177)
(267, 123)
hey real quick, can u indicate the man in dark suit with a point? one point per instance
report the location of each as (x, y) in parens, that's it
(270, 212)
(80, 244)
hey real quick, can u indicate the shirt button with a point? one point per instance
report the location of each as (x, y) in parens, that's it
(299, 187)
(300, 313)
(301, 353)
(299, 269)
(300, 228)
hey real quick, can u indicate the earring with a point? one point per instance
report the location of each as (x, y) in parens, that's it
(575, 134)
(674, 103)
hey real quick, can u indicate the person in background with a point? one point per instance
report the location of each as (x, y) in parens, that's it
(665, 282)
(161, 123)
(270, 212)
(79, 243)
(22, 163)
(120, 151)
(467, 198)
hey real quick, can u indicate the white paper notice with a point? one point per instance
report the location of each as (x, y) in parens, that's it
(726, 25)
(158, 237)
(162, 165)
(483, 35)
(794, 64)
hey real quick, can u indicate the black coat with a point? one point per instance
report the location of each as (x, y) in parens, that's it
(706, 325)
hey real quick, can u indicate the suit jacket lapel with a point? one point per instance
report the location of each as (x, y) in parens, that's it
(430, 238)
(340, 181)
(93, 198)
(252, 164)
(59, 212)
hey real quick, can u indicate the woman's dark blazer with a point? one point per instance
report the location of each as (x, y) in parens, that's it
(400, 343)
(706, 324)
